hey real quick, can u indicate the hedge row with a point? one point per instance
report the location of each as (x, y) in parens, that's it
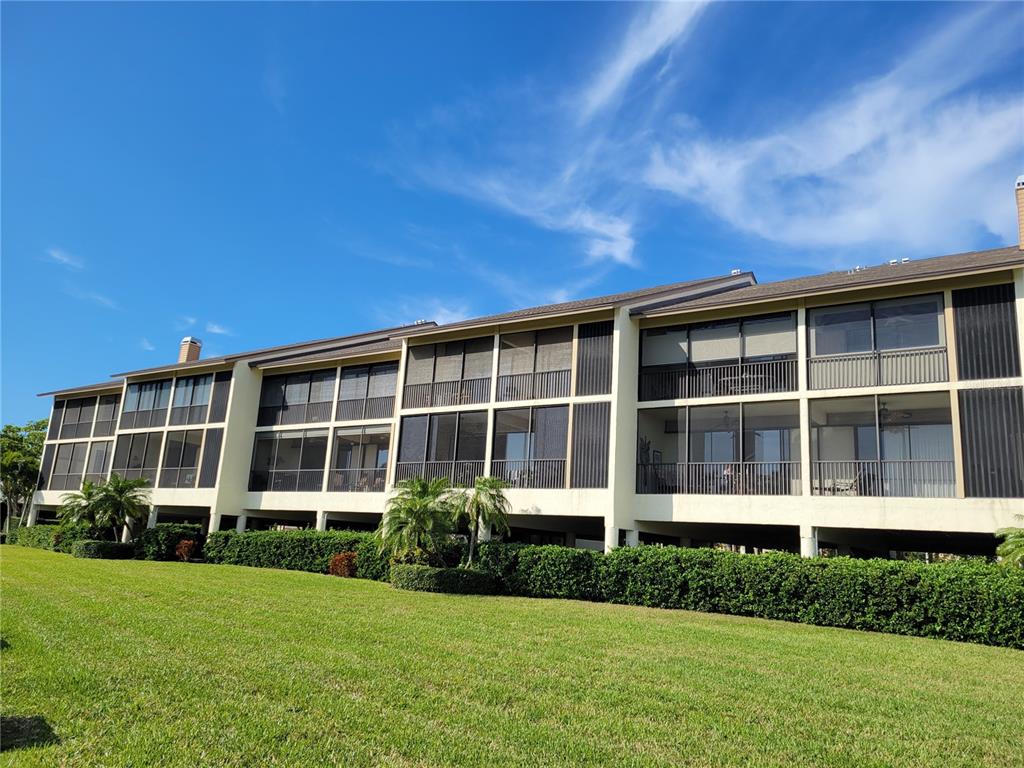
(297, 550)
(103, 550)
(36, 536)
(965, 600)
(161, 541)
(455, 581)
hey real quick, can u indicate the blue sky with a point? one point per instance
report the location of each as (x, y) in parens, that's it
(267, 173)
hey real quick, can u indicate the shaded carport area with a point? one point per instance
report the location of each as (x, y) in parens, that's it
(565, 530)
(861, 542)
(750, 538)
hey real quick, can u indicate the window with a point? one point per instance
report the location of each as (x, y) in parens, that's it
(367, 392)
(840, 330)
(78, 415)
(106, 415)
(296, 398)
(145, 404)
(289, 461)
(100, 454)
(535, 364)
(181, 459)
(769, 338)
(360, 459)
(191, 398)
(530, 446)
(449, 373)
(448, 445)
(68, 467)
(138, 455)
(907, 323)
(714, 434)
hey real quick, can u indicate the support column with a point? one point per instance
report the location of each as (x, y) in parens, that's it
(321, 520)
(214, 522)
(954, 394)
(32, 516)
(632, 537)
(611, 537)
(805, 410)
(483, 532)
(808, 541)
(153, 514)
(240, 523)
(126, 534)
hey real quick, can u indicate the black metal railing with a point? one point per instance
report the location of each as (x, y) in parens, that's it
(459, 473)
(539, 385)
(359, 480)
(740, 378)
(303, 413)
(366, 408)
(923, 365)
(286, 480)
(731, 478)
(532, 473)
(446, 393)
(907, 478)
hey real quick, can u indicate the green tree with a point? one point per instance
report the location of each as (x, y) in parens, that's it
(1011, 550)
(484, 505)
(418, 517)
(113, 504)
(21, 448)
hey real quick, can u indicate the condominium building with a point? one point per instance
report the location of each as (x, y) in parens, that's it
(866, 411)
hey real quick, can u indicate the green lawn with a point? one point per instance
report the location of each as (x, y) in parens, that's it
(140, 663)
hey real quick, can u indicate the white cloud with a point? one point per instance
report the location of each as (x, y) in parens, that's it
(65, 259)
(651, 32)
(84, 294)
(908, 158)
(184, 322)
(411, 309)
(146, 344)
(217, 328)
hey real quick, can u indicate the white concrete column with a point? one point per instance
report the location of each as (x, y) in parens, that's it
(321, 520)
(808, 541)
(611, 537)
(32, 516)
(805, 420)
(214, 522)
(151, 521)
(240, 523)
(126, 534)
(632, 537)
(483, 532)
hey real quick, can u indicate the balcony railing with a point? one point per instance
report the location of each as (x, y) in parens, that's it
(925, 365)
(188, 414)
(534, 386)
(303, 413)
(761, 478)
(287, 480)
(366, 408)
(535, 473)
(459, 473)
(143, 419)
(65, 482)
(368, 480)
(741, 378)
(178, 478)
(103, 428)
(445, 393)
(910, 478)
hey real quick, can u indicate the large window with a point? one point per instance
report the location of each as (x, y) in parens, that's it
(535, 364)
(181, 459)
(360, 458)
(449, 373)
(289, 461)
(78, 416)
(530, 446)
(448, 445)
(145, 404)
(68, 467)
(138, 455)
(106, 415)
(367, 392)
(191, 399)
(296, 398)
(100, 454)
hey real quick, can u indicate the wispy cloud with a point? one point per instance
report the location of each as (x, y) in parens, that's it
(184, 322)
(65, 259)
(84, 294)
(217, 328)
(146, 344)
(909, 158)
(411, 309)
(651, 32)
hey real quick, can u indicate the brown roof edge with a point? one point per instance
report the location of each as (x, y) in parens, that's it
(103, 386)
(328, 354)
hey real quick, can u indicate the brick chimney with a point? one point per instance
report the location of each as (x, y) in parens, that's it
(1020, 212)
(190, 345)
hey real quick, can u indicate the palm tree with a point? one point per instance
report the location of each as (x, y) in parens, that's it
(1011, 551)
(80, 506)
(417, 518)
(484, 505)
(113, 504)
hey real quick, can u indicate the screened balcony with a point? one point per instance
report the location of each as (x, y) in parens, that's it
(100, 454)
(449, 373)
(899, 341)
(68, 467)
(138, 455)
(752, 449)
(360, 459)
(448, 445)
(181, 459)
(530, 446)
(892, 445)
(191, 399)
(145, 404)
(289, 461)
(735, 357)
(367, 392)
(535, 365)
(77, 418)
(296, 398)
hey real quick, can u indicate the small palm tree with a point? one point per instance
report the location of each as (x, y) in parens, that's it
(113, 504)
(417, 519)
(80, 506)
(484, 505)
(1011, 551)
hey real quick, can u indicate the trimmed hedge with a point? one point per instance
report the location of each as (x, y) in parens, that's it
(966, 600)
(161, 541)
(103, 550)
(296, 550)
(454, 581)
(68, 534)
(36, 536)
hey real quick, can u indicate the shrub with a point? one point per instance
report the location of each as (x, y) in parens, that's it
(553, 571)
(68, 534)
(371, 563)
(291, 550)
(343, 564)
(161, 541)
(105, 550)
(456, 581)
(186, 550)
(500, 561)
(36, 536)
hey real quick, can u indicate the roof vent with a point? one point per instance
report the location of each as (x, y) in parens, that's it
(904, 260)
(893, 262)
(735, 271)
(420, 322)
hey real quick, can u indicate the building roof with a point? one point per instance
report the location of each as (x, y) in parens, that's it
(830, 282)
(702, 287)
(333, 353)
(103, 386)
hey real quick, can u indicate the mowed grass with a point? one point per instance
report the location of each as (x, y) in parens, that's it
(140, 663)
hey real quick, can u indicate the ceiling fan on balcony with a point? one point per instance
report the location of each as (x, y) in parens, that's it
(887, 416)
